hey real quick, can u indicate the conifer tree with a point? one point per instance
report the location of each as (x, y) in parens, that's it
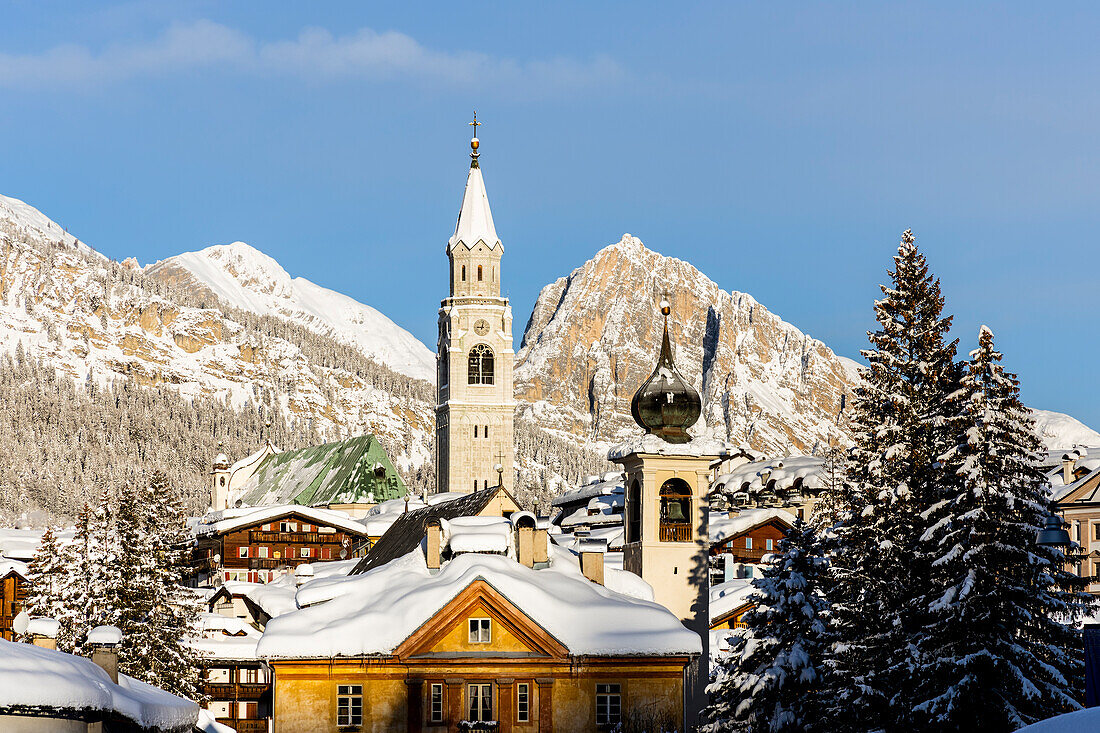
(772, 677)
(83, 593)
(903, 424)
(134, 578)
(47, 577)
(999, 650)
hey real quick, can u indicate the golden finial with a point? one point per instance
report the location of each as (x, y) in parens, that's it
(665, 306)
(474, 142)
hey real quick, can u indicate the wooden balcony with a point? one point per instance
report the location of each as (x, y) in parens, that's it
(245, 726)
(233, 691)
(292, 538)
(677, 532)
(272, 563)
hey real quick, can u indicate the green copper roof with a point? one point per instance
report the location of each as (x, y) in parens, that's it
(352, 471)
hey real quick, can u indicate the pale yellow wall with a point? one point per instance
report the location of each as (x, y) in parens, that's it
(309, 705)
(458, 638)
(23, 724)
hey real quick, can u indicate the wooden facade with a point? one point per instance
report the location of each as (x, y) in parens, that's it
(13, 594)
(516, 674)
(263, 550)
(750, 545)
(239, 693)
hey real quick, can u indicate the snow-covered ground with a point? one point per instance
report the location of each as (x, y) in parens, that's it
(1075, 722)
(248, 279)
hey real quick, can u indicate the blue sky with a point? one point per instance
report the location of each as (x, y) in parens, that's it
(780, 147)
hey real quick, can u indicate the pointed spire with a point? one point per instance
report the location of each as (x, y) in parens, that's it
(475, 219)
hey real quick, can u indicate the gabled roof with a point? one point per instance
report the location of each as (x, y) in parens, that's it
(724, 528)
(373, 614)
(475, 219)
(232, 519)
(407, 532)
(352, 471)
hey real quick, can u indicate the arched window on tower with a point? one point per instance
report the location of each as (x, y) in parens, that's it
(676, 524)
(479, 273)
(481, 365)
(634, 512)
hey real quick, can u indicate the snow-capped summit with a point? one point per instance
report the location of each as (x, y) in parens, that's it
(1059, 431)
(29, 221)
(247, 278)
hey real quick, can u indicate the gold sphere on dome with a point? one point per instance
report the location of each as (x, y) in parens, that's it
(474, 143)
(666, 309)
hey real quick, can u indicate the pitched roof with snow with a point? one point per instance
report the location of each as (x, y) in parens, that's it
(407, 532)
(373, 613)
(729, 596)
(352, 471)
(231, 519)
(224, 637)
(723, 526)
(35, 678)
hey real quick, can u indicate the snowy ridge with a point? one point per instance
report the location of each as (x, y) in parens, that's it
(250, 280)
(22, 216)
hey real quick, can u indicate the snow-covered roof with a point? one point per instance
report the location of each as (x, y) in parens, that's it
(729, 596)
(781, 473)
(372, 613)
(1078, 720)
(478, 534)
(13, 566)
(224, 637)
(475, 219)
(723, 526)
(34, 677)
(105, 635)
(21, 544)
(231, 519)
(613, 534)
(653, 445)
(610, 483)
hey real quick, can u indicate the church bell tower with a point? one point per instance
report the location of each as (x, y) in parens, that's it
(475, 401)
(666, 508)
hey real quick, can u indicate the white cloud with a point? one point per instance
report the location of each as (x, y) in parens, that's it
(315, 53)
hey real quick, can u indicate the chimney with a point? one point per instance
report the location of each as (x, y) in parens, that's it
(525, 524)
(542, 544)
(434, 544)
(43, 632)
(592, 551)
(1068, 462)
(303, 574)
(104, 641)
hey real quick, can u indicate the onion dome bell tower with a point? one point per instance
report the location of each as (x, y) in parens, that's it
(666, 509)
(666, 405)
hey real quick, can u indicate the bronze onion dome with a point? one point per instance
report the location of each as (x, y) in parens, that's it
(666, 405)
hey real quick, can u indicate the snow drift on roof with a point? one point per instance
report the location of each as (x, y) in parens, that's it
(33, 676)
(372, 613)
(232, 519)
(723, 526)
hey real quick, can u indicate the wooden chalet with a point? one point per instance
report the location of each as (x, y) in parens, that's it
(235, 683)
(257, 545)
(13, 594)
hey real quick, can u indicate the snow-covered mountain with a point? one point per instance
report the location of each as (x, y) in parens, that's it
(250, 280)
(99, 321)
(1059, 431)
(593, 338)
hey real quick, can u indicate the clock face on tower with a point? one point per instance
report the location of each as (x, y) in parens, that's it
(481, 328)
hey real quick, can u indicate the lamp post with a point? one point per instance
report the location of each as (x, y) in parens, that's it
(1054, 534)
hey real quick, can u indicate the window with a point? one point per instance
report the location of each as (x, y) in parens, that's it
(768, 544)
(480, 366)
(523, 702)
(246, 711)
(222, 480)
(242, 552)
(464, 273)
(479, 273)
(287, 527)
(349, 705)
(634, 513)
(480, 631)
(608, 705)
(676, 511)
(1096, 530)
(306, 552)
(263, 552)
(748, 543)
(486, 432)
(475, 484)
(479, 702)
(475, 431)
(435, 707)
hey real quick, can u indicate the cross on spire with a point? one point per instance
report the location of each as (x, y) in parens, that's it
(474, 124)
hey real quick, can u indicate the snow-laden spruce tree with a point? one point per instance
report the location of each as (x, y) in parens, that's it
(134, 579)
(83, 592)
(999, 650)
(173, 609)
(47, 578)
(771, 680)
(903, 423)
